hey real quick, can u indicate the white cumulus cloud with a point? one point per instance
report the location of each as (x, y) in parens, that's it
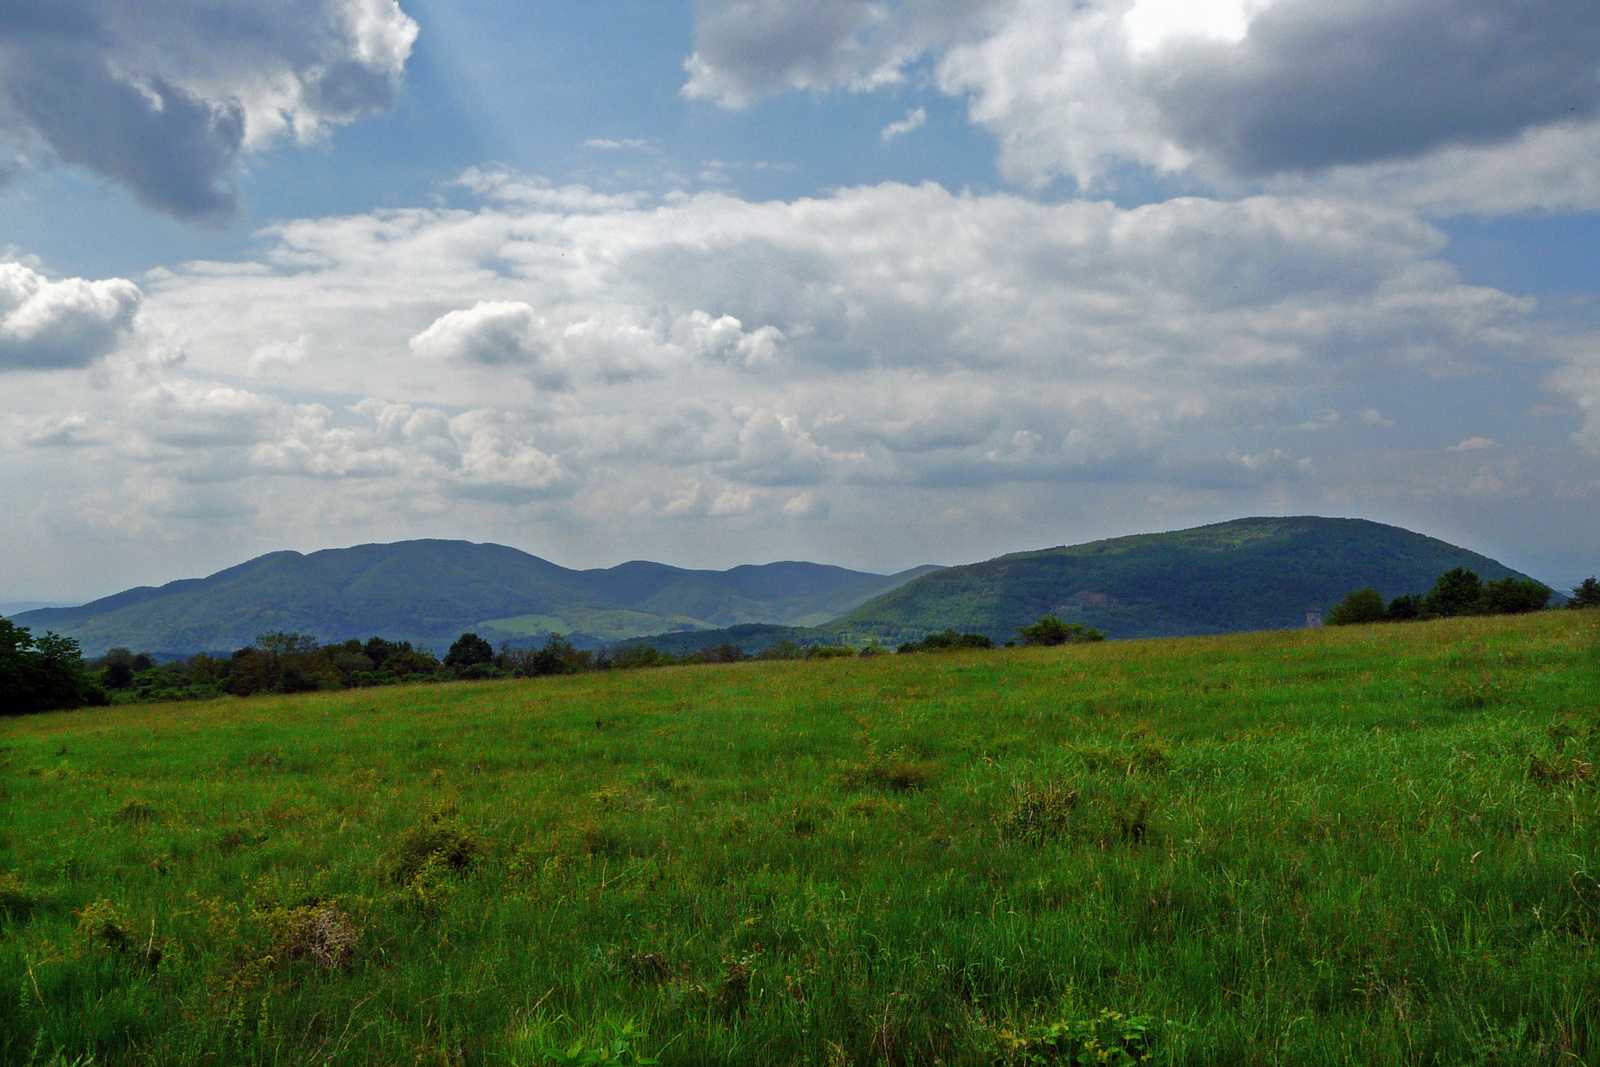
(46, 325)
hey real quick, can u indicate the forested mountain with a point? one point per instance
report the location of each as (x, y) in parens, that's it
(1248, 574)
(429, 592)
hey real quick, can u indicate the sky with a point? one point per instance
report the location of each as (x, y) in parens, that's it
(867, 282)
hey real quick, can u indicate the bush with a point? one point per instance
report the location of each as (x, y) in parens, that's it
(1515, 596)
(948, 641)
(1050, 631)
(1457, 592)
(469, 649)
(1404, 608)
(558, 656)
(43, 673)
(624, 659)
(1586, 594)
(1361, 606)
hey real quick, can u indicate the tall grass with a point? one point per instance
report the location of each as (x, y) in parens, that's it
(1367, 845)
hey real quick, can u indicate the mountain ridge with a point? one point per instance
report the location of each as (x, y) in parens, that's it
(430, 590)
(1244, 574)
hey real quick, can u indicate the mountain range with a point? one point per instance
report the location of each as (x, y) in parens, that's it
(430, 592)
(1248, 574)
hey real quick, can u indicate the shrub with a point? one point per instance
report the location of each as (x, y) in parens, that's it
(947, 641)
(893, 771)
(1050, 631)
(1457, 592)
(1515, 596)
(469, 649)
(1361, 606)
(17, 900)
(1558, 771)
(42, 673)
(102, 925)
(1404, 608)
(134, 811)
(1586, 594)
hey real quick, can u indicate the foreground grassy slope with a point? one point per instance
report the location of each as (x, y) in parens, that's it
(1368, 845)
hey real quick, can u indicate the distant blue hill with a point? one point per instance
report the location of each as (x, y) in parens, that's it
(429, 592)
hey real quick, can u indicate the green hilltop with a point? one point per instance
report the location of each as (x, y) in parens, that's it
(1228, 577)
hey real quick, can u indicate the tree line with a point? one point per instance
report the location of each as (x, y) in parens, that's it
(40, 674)
(1458, 592)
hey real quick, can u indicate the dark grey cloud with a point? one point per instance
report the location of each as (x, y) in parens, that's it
(1316, 84)
(1230, 89)
(172, 150)
(161, 97)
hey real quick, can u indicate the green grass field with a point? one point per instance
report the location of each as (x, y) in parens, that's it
(1371, 845)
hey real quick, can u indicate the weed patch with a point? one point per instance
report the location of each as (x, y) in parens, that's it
(134, 813)
(237, 839)
(17, 901)
(436, 846)
(1038, 813)
(1109, 1037)
(1557, 771)
(320, 933)
(893, 771)
(1142, 759)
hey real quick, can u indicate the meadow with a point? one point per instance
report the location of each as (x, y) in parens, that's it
(1364, 845)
